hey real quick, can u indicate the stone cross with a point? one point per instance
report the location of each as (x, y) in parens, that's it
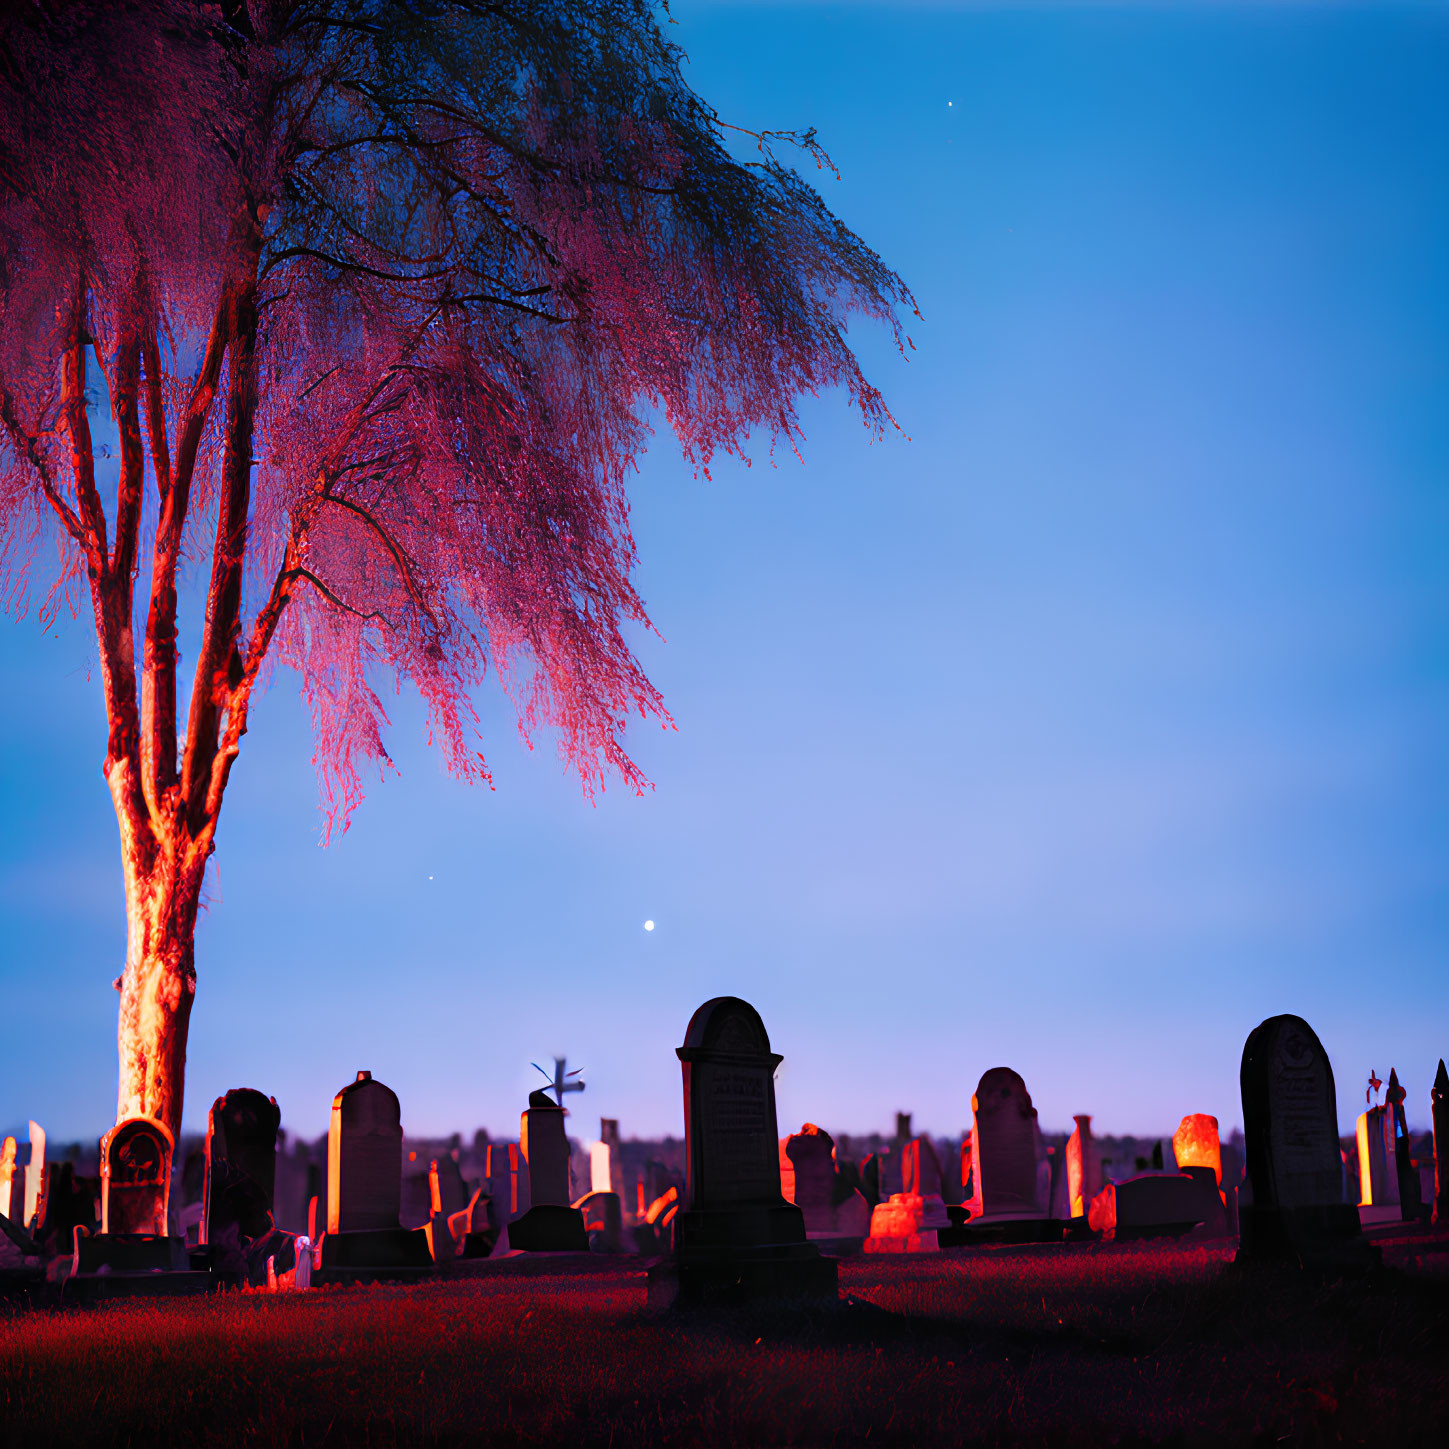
(560, 1083)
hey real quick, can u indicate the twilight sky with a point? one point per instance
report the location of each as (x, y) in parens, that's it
(1102, 718)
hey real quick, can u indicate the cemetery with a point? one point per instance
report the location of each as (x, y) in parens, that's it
(742, 1283)
(384, 379)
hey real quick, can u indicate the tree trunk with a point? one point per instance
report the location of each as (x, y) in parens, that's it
(157, 986)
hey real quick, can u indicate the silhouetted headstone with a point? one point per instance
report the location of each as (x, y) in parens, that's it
(1151, 1206)
(365, 1238)
(1439, 1111)
(1405, 1173)
(240, 1169)
(135, 1177)
(1006, 1150)
(737, 1236)
(831, 1206)
(1294, 1175)
(551, 1223)
(603, 1218)
(68, 1202)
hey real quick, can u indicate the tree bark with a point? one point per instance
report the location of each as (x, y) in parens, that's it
(158, 984)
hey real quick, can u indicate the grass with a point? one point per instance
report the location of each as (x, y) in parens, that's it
(1117, 1344)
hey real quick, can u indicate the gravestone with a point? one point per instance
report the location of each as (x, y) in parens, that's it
(450, 1213)
(135, 1177)
(1212, 1207)
(603, 1217)
(1378, 1184)
(1005, 1151)
(1402, 1163)
(1196, 1144)
(609, 1138)
(1152, 1205)
(34, 1175)
(1290, 1125)
(7, 1176)
(240, 1167)
(365, 1239)
(1084, 1167)
(1059, 1207)
(921, 1177)
(364, 1158)
(737, 1237)
(68, 1202)
(551, 1223)
(831, 1206)
(1439, 1114)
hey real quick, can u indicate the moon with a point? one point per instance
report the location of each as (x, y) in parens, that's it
(648, 925)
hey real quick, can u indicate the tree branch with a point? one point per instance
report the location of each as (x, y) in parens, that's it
(219, 664)
(399, 558)
(158, 677)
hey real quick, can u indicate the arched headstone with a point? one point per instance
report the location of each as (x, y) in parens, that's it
(1290, 1127)
(365, 1239)
(364, 1158)
(135, 1177)
(1006, 1150)
(737, 1236)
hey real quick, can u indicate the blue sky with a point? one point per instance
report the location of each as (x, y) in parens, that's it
(1098, 719)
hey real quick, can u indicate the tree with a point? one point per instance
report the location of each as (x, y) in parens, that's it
(383, 295)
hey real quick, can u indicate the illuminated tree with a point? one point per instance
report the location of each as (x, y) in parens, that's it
(383, 295)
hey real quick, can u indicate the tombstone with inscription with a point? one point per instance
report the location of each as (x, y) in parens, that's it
(552, 1223)
(737, 1237)
(365, 1239)
(135, 1177)
(240, 1167)
(133, 1243)
(1005, 1152)
(1294, 1175)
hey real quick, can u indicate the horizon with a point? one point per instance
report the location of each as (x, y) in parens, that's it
(1080, 727)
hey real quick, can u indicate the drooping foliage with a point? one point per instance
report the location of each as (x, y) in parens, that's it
(391, 289)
